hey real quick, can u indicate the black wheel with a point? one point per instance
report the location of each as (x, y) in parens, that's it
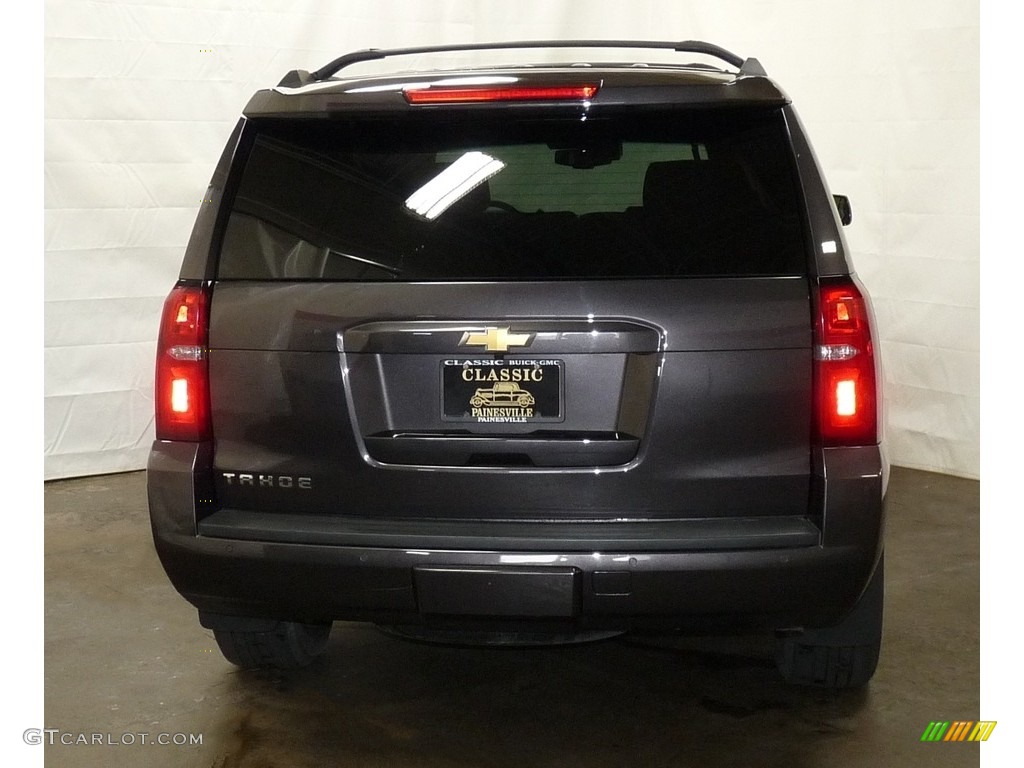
(288, 646)
(843, 656)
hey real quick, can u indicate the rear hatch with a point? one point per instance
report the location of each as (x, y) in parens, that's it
(535, 313)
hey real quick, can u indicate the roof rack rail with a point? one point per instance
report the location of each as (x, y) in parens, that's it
(298, 77)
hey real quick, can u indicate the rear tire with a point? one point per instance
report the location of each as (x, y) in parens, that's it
(843, 656)
(289, 645)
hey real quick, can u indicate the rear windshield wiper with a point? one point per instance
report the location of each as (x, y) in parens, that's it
(394, 272)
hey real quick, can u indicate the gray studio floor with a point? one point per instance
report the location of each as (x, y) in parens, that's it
(125, 655)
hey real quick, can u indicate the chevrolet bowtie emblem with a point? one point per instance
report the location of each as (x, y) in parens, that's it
(496, 339)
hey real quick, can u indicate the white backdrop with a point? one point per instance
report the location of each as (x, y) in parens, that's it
(140, 96)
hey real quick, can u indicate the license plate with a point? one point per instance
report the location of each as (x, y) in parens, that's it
(509, 391)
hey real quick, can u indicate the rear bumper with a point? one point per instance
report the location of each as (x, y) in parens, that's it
(733, 576)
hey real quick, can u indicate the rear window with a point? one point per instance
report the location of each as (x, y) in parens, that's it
(658, 194)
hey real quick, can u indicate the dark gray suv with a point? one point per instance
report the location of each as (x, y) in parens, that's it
(523, 354)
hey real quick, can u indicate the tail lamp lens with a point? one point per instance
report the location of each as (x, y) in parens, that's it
(182, 377)
(845, 367)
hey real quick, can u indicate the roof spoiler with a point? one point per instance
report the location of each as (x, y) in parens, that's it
(298, 77)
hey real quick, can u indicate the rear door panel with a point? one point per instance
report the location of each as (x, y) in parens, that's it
(698, 405)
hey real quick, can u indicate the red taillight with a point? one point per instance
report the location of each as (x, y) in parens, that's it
(845, 381)
(463, 95)
(182, 383)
